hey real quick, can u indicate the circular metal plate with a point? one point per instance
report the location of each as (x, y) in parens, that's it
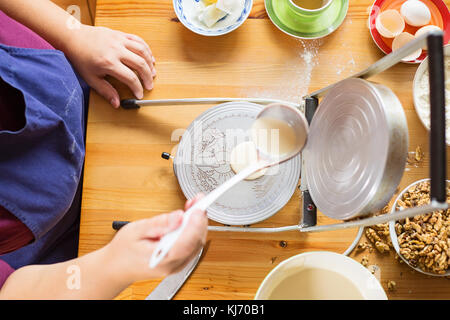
(347, 149)
(202, 164)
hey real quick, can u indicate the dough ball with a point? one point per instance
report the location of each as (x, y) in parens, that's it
(243, 155)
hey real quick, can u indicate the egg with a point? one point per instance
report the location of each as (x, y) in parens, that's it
(424, 30)
(390, 23)
(401, 40)
(415, 13)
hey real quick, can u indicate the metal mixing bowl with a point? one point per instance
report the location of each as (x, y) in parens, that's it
(418, 75)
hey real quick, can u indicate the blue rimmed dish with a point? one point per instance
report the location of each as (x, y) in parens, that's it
(186, 13)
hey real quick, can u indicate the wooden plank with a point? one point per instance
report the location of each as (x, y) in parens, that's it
(125, 178)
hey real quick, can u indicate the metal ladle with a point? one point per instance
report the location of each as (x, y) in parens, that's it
(277, 111)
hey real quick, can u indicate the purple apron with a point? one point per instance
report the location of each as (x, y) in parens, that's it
(41, 164)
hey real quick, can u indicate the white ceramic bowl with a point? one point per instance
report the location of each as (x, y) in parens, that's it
(366, 283)
(185, 12)
(393, 233)
(419, 72)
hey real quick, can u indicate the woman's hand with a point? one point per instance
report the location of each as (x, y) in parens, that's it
(97, 52)
(130, 251)
(104, 273)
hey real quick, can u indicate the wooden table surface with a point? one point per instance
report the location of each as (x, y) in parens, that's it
(126, 179)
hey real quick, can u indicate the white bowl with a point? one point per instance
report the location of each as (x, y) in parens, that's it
(184, 9)
(419, 72)
(393, 233)
(361, 278)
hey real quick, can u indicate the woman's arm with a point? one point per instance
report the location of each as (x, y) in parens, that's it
(88, 277)
(104, 273)
(43, 17)
(95, 52)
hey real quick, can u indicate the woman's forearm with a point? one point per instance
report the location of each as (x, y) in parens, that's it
(89, 277)
(96, 53)
(43, 17)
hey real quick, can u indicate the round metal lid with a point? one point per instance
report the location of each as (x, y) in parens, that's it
(202, 164)
(347, 149)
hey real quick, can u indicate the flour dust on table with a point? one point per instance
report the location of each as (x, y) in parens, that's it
(295, 77)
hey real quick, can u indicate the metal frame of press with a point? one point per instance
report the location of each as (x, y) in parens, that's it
(308, 223)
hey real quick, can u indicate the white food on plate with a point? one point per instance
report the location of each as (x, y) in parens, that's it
(243, 155)
(415, 12)
(210, 12)
(401, 40)
(210, 15)
(423, 96)
(390, 23)
(230, 6)
(424, 30)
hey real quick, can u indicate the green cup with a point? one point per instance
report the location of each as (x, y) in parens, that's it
(309, 12)
(307, 23)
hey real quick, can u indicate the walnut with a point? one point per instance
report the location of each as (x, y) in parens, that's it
(381, 229)
(382, 247)
(424, 240)
(365, 261)
(391, 285)
(362, 246)
(415, 157)
(398, 228)
(372, 235)
(379, 237)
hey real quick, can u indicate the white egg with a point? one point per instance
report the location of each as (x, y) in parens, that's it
(389, 23)
(401, 40)
(415, 12)
(424, 30)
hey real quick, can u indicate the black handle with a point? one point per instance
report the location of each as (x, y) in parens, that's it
(438, 146)
(129, 104)
(311, 105)
(165, 155)
(309, 216)
(119, 224)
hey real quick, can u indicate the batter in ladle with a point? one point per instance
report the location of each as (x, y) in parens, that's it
(275, 138)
